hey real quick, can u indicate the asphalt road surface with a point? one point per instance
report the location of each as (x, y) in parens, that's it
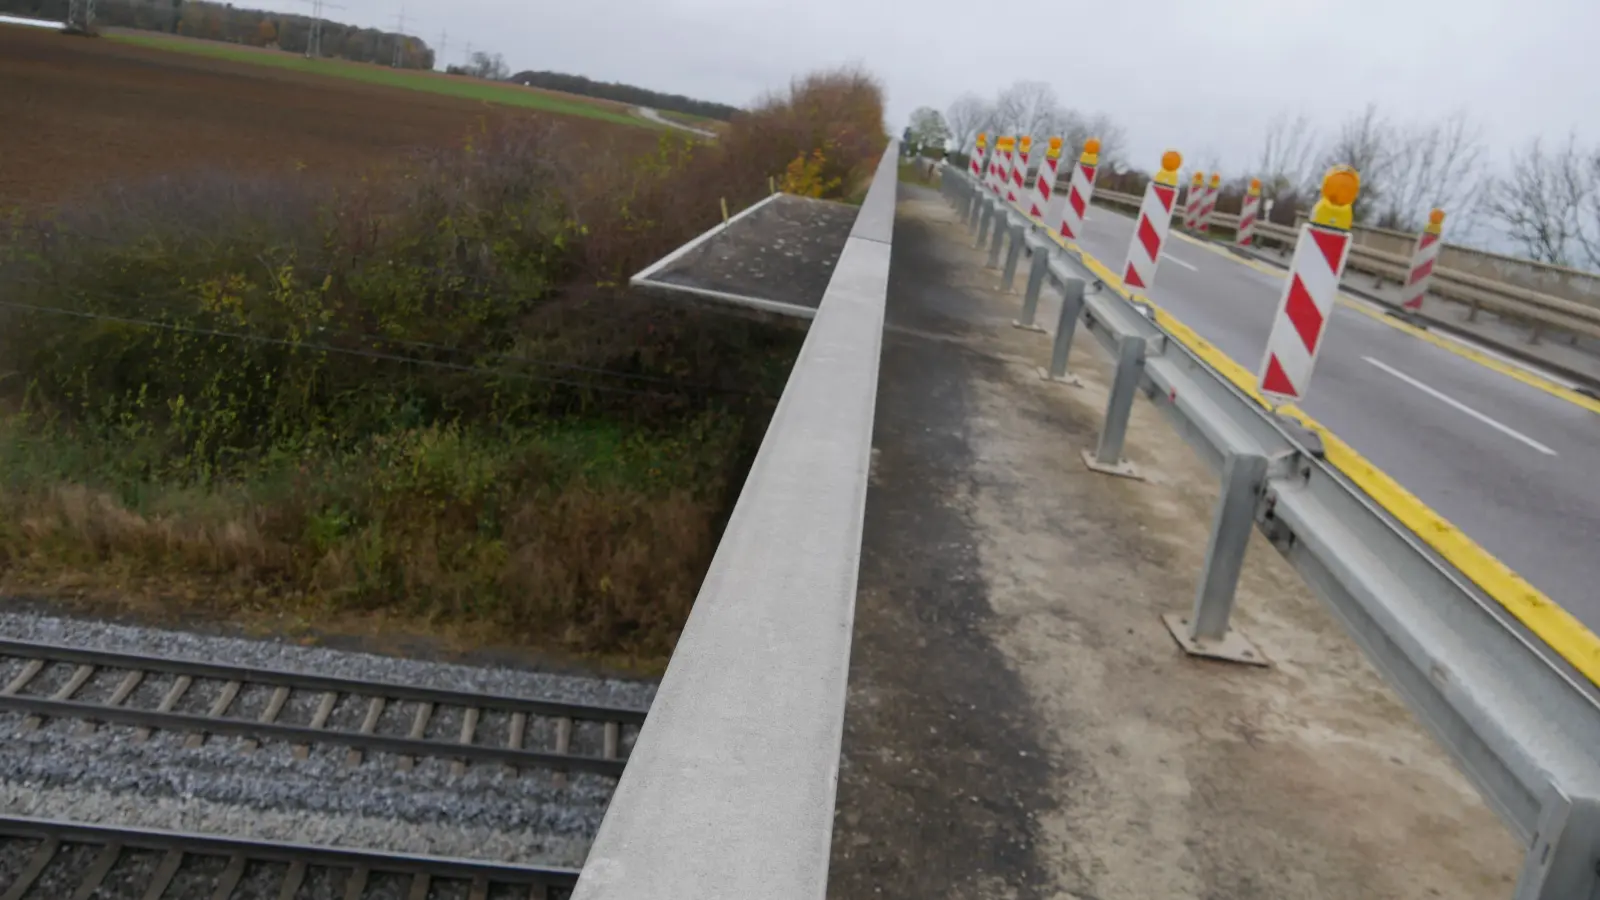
(1515, 467)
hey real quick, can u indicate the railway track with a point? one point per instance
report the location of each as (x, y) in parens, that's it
(54, 860)
(206, 701)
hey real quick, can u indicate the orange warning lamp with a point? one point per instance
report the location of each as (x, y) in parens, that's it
(1171, 160)
(1436, 217)
(1092, 147)
(1341, 185)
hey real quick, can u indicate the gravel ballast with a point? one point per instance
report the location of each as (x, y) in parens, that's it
(104, 775)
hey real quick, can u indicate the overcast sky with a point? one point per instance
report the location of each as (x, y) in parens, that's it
(1202, 76)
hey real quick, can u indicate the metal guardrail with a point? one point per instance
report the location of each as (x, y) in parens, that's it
(729, 789)
(1543, 310)
(1524, 728)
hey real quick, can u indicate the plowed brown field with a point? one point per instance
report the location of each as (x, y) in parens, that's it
(78, 112)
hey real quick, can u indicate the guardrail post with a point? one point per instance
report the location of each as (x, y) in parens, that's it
(997, 234)
(985, 217)
(1013, 256)
(1037, 270)
(1205, 631)
(1561, 860)
(1107, 455)
(1066, 325)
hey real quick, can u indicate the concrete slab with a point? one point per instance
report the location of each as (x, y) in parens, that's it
(1020, 722)
(779, 257)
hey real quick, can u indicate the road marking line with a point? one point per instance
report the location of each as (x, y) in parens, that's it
(1174, 259)
(1440, 395)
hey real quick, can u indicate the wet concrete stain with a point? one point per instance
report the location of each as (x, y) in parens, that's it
(942, 776)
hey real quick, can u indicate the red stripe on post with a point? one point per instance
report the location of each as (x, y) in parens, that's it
(1131, 277)
(1303, 314)
(1276, 381)
(1421, 272)
(1148, 237)
(1332, 245)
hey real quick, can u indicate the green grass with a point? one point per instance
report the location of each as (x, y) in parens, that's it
(409, 79)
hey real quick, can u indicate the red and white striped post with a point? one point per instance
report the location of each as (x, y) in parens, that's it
(1070, 223)
(1422, 261)
(1191, 203)
(1017, 177)
(1000, 165)
(1208, 203)
(1155, 220)
(1311, 290)
(1248, 214)
(976, 161)
(1043, 198)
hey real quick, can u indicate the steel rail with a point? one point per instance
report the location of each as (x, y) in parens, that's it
(116, 840)
(112, 710)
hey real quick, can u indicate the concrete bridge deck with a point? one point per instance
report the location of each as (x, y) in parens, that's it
(1020, 724)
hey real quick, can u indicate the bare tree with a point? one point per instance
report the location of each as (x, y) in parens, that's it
(1437, 164)
(1076, 128)
(965, 118)
(1364, 141)
(1027, 108)
(1542, 201)
(1588, 232)
(1285, 165)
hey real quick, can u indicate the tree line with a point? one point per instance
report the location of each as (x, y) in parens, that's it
(625, 93)
(240, 25)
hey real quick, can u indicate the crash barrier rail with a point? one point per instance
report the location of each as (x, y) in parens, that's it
(729, 789)
(1542, 311)
(1522, 721)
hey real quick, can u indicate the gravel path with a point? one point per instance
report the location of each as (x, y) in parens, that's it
(62, 770)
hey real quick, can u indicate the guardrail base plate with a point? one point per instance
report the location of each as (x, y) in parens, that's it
(1069, 378)
(1233, 647)
(1121, 469)
(1026, 326)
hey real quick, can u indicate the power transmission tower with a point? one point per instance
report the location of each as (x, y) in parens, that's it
(444, 41)
(400, 37)
(314, 33)
(80, 15)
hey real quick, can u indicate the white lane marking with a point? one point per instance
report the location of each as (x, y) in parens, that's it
(1177, 261)
(1439, 395)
